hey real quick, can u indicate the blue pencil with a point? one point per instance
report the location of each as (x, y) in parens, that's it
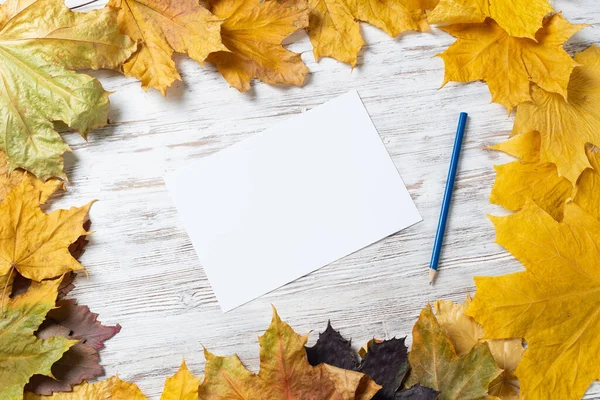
(439, 235)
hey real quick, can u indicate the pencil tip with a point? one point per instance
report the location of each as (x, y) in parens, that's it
(432, 274)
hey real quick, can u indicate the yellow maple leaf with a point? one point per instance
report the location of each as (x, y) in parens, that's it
(284, 373)
(518, 18)
(181, 386)
(113, 388)
(10, 179)
(528, 179)
(35, 243)
(553, 304)
(464, 333)
(435, 363)
(525, 146)
(23, 354)
(566, 126)
(39, 42)
(518, 182)
(252, 32)
(485, 51)
(334, 28)
(164, 27)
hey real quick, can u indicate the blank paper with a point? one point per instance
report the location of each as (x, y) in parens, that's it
(290, 200)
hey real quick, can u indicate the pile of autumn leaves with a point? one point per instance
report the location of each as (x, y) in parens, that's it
(49, 344)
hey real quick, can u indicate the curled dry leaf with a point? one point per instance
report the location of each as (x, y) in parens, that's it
(23, 354)
(351, 385)
(464, 333)
(284, 372)
(181, 386)
(566, 127)
(252, 32)
(334, 25)
(518, 18)
(163, 27)
(553, 304)
(435, 363)
(34, 243)
(39, 41)
(485, 51)
(362, 352)
(113, 388)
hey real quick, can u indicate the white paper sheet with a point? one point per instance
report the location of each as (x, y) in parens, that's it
(290, 200)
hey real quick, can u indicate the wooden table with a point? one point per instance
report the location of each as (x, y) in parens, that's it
(144, 274)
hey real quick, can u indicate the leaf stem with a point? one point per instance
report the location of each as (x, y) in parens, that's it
(12, 268)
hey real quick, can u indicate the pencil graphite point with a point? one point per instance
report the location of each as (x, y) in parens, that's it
(432, 274)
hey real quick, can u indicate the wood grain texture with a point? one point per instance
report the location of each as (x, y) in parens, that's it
(144, 274)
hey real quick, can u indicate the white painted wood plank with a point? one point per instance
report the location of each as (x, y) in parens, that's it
(144, 274)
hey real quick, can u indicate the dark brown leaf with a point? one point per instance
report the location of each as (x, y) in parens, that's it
(331, 348)
(82, 323)
(386, 362)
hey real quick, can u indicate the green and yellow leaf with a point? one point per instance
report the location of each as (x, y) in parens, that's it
(435, 363)
(23, 354)
(39, 42)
